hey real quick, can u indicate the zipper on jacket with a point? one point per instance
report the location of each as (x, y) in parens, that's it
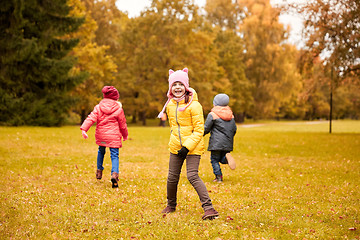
(176, 118)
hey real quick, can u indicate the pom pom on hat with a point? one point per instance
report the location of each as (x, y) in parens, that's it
(221, 99)
(110, 92)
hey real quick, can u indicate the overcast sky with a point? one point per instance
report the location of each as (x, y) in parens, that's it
(134, 7)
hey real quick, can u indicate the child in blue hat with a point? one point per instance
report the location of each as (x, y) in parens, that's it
(220, 123)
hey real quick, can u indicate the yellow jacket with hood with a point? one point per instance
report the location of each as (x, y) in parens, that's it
(187, 127)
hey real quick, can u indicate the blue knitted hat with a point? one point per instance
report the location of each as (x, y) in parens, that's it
(221, 99)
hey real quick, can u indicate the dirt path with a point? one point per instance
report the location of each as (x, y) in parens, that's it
(285, 123)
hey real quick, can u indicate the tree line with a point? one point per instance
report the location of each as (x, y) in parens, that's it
(57, 55)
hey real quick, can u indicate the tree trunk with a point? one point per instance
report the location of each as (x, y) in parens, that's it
(239, 117)
(142, 116)
(331, 101)
(82, 116)
(134, 120)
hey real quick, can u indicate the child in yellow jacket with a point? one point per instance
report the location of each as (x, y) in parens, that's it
(186, 121)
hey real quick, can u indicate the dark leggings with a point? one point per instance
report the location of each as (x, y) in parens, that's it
(192, 169)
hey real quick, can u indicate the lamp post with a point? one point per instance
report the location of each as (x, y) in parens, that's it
(331, 98)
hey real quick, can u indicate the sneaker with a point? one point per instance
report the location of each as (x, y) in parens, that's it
(231, 161)
(210, 214)
(99, 174)
(218, 178)
(114, 179)
(168, 209)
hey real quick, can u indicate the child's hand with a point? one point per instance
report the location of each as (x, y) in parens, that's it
(84, 134)
(183, 152)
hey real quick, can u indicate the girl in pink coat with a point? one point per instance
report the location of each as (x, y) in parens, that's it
(110, 129)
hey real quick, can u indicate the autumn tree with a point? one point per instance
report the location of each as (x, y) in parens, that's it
(110, 22)
(332, 31)
(93, 58)
(34, 77)
(347, 99)
(224, 15)
(270, 63)
(167, 35)
(315, 91)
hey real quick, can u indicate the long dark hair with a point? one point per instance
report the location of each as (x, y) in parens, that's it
(187, 96)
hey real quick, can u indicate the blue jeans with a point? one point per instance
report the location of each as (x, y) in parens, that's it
(218, 157)
(114, 154)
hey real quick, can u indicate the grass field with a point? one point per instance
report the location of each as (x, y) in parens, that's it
(293, 180)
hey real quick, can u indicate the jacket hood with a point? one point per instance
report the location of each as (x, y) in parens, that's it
(195, 96)
(224, 113)
(108, 106)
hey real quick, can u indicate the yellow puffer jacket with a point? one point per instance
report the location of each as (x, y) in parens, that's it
(187, 127)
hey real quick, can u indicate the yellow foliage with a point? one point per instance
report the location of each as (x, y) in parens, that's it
(92, 58)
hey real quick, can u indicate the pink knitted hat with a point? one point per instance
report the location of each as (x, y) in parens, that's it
(178, 76)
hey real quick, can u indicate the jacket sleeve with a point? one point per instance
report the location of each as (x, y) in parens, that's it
(197, 118)
(91, 119)
(123, 125)
(208, 124)
(168, 116)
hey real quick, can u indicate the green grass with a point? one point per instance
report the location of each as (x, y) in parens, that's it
(293, 180)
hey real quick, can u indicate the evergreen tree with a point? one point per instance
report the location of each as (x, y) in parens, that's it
(34, 75)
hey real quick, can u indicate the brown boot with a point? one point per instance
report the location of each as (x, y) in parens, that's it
(210, 214)
(99, 174)
(114, 179)
(168, 209)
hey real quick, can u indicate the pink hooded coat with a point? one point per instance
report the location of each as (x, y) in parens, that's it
(111, 123)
